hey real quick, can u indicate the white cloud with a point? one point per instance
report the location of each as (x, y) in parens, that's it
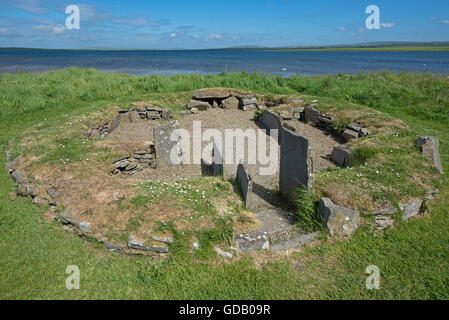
(215, 37)
(342, 29)
(445, 21)
(172, 35)
(387, 24)
(3, 30)
(59, 28)
(56, 29)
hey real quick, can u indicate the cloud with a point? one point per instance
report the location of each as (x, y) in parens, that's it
(56, 29)
(31, 6)
(387, 24)
(5, 32)
(172, 35)
(445, 21)
(342, 29)
(215, 37)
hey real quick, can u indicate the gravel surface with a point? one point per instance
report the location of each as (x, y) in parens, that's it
(266, 186)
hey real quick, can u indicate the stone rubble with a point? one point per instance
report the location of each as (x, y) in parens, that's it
(140, 160)
(103, 128)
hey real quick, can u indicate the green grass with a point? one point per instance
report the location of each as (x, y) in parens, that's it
(413, 258)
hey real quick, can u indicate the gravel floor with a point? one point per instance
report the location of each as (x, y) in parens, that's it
(221, 119)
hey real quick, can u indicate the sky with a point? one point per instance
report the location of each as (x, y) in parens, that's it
(199, 24)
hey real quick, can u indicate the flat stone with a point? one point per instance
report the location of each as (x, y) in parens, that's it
(84, 226)
(286, 115)
(139, 245)
(429, 145)
(311, 114)
(194, 111)
(297, 115)
(66, 218)
(40, 202)
(25, 190)
(247, 100)
(411, 209)
(353, 127)
(223, 253)
(339, 221)
(252, 244)
(166, 114)
(121, 165)
(153, 115)
(248, 107)
(131, 166)
(113, 247)
(185, 112)
(162, 239)
(200, 105)
(155, 109)
(11, 165)
(382, 222)
(212, 93)
(364, 132)
(231, 103)
(133, 116)
(52, 192)
(342, 156)
(298, 109)
(295, 242)
(388, 210)
(20, 176)
(350, 135)
(114, 124)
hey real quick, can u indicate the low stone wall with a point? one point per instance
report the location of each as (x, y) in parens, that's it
(221, 98)
(103, 128)
(141, 159)
(295, 164)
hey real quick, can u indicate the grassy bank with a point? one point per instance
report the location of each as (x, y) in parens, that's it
(413, 258)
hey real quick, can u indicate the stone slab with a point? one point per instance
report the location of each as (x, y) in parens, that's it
(295, 164)
(164, 146)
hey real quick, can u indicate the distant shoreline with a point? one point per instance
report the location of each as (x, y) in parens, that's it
(342, 48)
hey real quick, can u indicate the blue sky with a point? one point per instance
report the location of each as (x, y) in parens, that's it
(214, 24)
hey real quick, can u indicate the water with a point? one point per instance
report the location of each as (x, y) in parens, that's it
(142, 62)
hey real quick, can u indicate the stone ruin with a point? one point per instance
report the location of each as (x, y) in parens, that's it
(221, 98)
(103, 128)
(141, 159)
(296, 170)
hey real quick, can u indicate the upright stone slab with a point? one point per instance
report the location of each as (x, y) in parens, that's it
(270, 120)
(217, 161)
(246, 186)
(429, 145)
(295, 163)
(165, 148)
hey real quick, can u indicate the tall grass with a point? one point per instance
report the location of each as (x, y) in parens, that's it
(307, 212)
